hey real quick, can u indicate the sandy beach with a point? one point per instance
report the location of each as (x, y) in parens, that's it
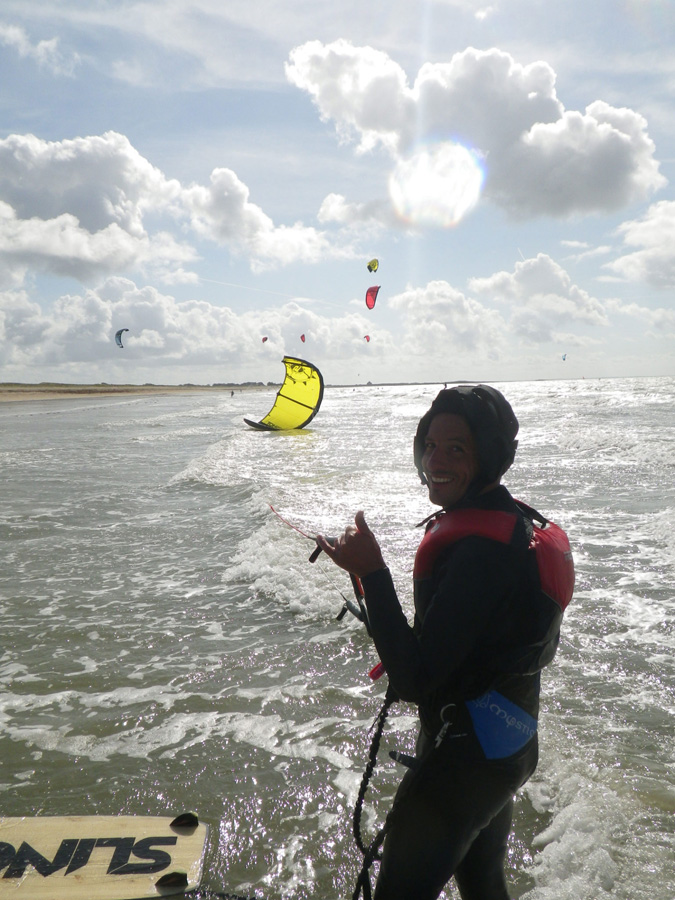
(54, 391)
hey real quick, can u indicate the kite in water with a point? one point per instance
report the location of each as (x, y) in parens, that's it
(371, 296)
(373, 265)
(298, 399)
(118, 337)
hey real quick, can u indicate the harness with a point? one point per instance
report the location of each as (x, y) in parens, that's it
(550, 566)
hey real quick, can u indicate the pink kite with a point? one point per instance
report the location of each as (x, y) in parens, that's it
(302, 338)
(371, 296)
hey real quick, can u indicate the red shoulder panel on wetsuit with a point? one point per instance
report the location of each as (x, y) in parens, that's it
(450, 527)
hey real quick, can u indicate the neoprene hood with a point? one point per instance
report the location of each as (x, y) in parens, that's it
(492, 422)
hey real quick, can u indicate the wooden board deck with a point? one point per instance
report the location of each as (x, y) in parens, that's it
(100, 857)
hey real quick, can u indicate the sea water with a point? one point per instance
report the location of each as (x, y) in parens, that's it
(167, 646)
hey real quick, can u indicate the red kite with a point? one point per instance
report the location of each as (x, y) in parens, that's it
(371, 296)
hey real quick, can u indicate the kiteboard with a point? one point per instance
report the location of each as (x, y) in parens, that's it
(259, 425)
(100, 857)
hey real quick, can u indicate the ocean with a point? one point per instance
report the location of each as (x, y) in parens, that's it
(167, 646)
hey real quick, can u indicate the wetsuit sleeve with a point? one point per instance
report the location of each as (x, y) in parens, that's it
(473, 585)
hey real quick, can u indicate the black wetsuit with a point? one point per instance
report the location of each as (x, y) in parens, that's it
(452, 812)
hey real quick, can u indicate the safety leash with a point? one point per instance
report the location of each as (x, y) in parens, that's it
(371, 851)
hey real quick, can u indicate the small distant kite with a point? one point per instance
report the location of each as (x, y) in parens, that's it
(264, 339)
(118, 337)
(366, 337)
(564, 357)
(302, 338)
(373, 265)
(371, 296)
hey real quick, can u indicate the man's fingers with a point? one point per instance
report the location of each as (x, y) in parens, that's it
(361, 523)
(325, 545)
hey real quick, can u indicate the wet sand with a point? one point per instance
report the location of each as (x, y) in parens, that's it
(55, 391)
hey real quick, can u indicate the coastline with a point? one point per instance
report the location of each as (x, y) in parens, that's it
(13, 392)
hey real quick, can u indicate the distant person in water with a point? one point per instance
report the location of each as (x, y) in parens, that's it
(484, 628)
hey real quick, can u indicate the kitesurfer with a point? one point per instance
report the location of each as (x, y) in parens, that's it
(483, 630)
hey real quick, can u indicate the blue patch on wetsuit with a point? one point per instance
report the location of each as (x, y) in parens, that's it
(502, 728)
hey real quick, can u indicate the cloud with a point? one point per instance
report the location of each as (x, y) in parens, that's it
(540, 159)
(166, 333)
(61, 247)
(336, 208)
(93, 206)
(99, 180)
(46, 53)
(576, 245)
(361, 89)
(440, 320)
(22, 327)
(439, 328)
(590, 253)
(654, 234)
(541, 298)
(485, 13)
(223, 212)
(659, 318)
(597, 161)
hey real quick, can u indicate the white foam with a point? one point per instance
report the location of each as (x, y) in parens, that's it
(576, 851)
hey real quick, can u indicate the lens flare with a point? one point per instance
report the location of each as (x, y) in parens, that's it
(436, 187)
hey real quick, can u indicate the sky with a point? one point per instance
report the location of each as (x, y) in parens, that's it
(209, 174)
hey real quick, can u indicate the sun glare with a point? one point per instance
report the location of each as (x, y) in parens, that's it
(436, 186)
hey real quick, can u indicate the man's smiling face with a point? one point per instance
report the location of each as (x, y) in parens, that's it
(450, 461)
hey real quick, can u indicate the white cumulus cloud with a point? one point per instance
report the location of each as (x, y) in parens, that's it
(61, 246)
(540, 297)
(440, 320)
(222, 211)
(654, 236)
(94, 206)
(361, 89)
(168, 334)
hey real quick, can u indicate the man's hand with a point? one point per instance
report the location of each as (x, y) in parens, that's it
(356, 550)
